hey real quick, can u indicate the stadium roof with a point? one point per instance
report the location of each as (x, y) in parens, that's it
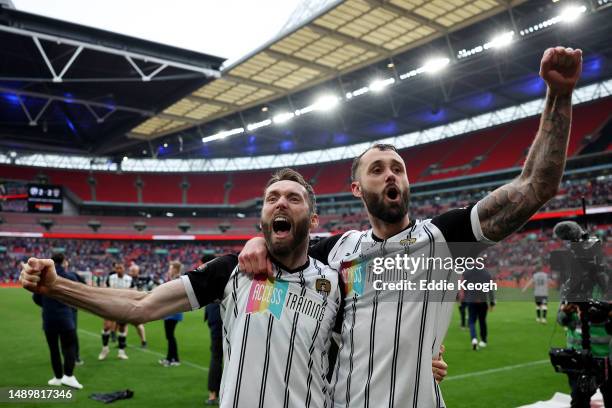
(341, 38)
(480, 78)
(70, 88)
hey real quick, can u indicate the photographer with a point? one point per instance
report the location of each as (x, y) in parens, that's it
(585, 312)
(582, 389)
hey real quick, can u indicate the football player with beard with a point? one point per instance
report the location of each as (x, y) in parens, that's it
(389, 338)
(276, 329)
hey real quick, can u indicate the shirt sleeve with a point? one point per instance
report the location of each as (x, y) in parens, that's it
(321, 250)
(204, 286)
(461, 225)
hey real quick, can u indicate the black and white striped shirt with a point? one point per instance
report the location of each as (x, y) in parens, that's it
(276, 331)
(388, 339)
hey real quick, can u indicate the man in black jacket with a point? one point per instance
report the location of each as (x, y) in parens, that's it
(59, 327)
(479, 302)
(212, 315)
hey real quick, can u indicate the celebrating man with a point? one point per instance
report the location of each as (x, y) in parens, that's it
(276, 330)
(386, 345)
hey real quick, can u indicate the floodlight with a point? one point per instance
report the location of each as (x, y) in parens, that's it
(501, 40)
(360, 91)
(257, 125)
(380, 84)
(222, 135)
(326, 103)
(435, 65)
(572, 13)
(283, 117)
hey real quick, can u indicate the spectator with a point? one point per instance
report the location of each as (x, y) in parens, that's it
(170, 323)
(59, 327)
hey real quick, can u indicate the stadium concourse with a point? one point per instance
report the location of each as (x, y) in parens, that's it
(115, 149)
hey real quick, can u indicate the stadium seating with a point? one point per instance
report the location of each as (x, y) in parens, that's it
(116, 187)
(493, 149)
(247, 185)
(19, 173)
(162, 188)
(336, 219)
(75, 181)
(206, 188)
(153, 256)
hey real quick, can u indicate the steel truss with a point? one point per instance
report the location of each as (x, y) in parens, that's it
(486, 120)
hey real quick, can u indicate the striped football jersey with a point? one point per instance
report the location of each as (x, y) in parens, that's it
(389, 337)
(277, 333)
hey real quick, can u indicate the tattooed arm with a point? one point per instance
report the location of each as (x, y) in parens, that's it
(509, 207)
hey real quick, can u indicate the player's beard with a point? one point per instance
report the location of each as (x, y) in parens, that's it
(390, 213)
(300, 231)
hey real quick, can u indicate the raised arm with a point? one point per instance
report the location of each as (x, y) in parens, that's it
(124, 305)
(509, 207)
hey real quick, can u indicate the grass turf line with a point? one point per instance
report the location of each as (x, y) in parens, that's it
(510, 372)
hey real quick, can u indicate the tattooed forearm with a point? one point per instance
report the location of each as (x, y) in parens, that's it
(510, 206)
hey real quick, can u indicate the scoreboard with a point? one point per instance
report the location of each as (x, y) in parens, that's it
(44, 198)
(34, 198)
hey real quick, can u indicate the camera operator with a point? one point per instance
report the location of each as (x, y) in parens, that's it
(583, 389)
(585, 312)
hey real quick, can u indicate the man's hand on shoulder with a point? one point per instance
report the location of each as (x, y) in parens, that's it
(254, 258)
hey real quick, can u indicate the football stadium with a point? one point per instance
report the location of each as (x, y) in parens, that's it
(378, 203)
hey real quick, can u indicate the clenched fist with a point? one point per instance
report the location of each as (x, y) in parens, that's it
(560, 69)
(38, 275)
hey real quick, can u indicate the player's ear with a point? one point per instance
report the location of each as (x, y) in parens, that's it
(314, 221)
(356, 189)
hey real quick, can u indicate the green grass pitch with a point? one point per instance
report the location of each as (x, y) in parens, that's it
(512, 371)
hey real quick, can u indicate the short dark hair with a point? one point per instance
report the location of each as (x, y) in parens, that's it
(58, 258)
(207, 258)
(292, 175)
(379, 146)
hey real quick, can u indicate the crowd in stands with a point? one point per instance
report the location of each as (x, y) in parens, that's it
(596, 191)
(97, 256)
(514, 259)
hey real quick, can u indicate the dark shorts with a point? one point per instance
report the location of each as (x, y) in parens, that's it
(541, 300)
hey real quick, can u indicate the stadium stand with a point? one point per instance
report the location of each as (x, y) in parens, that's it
(96, 256)
(487, 150)
(116, 187)
(161, 188)
(337, 218)
(75, 181)
(206, 188)
(247, 185)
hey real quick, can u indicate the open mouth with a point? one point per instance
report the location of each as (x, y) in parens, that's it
(392, 193)
(281, 226)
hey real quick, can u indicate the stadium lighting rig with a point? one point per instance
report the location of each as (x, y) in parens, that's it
(326, 103)
(568, 15)
(500, 41)
(222, 135)
(433, 66)
(380, 84)
(283, 117)
(254, 126)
